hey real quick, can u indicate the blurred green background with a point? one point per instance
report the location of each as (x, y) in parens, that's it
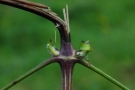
(108, 24)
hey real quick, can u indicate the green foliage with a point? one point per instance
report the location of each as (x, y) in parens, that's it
(108, 25)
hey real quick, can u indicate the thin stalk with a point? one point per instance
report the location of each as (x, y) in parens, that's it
(67, 18)
(38, 67)
(95, 69)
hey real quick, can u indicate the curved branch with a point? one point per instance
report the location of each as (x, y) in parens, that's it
(35, 69)
(43, 11)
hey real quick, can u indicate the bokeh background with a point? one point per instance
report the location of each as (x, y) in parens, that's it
(109, 25)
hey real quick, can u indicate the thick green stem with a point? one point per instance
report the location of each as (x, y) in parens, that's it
(43, 64)
(95, 69)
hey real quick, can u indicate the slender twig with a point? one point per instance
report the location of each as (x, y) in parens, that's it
(38, 67)
(64, 14)
(67, 16)
(95, 69)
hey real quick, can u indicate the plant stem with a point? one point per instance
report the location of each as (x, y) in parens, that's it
(43, 11)
(67, 70)
(66, 48)
(95, 69)
(43, 64)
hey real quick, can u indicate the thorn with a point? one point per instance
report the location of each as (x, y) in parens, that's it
(82, 41)
(88, 63)
(50, 40)
(57, 25)
(87, 42)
